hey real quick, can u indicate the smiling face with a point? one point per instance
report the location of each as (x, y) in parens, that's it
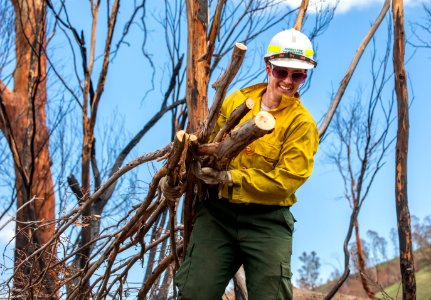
(283, 81)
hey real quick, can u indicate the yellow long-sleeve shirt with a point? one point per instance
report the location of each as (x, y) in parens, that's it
(272, 168)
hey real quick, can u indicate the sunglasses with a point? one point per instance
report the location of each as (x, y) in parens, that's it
(283, 73)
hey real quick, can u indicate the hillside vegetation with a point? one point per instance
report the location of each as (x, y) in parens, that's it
(423, 287)
(386, 279)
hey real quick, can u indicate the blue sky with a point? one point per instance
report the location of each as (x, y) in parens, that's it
(322, 213)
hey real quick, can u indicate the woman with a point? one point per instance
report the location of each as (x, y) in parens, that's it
(251, 224)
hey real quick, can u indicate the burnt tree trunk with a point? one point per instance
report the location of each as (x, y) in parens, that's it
(196, 90)
(197, 65)
(362, 264)
(403, 214)
(23, 122)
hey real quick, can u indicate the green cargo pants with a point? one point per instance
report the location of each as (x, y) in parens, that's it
(226, 235)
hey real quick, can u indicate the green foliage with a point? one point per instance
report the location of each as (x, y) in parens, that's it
(309, 272)
(423, 287)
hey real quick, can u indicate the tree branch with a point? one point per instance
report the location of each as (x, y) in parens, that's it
(223, 152)
(221, 86)
(106, 53)
(214, 30)
(301, 15)
(334, 104)
(234, 119)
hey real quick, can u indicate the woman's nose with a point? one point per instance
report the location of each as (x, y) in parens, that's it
(288, 78)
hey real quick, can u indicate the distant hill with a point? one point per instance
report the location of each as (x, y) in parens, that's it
(300, 294)
(423, 287)
(385, 278)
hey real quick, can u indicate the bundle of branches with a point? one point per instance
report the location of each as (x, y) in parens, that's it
(186, 149)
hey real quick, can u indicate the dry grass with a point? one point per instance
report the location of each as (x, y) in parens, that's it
(299, 294)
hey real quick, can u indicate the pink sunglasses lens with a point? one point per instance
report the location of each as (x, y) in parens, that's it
(298, 77)
(281, 73)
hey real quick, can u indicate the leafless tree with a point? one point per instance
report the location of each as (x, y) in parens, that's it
(354, 257)
(421, 232)
(362, 139)
(6, 45)
(23, 123)
(407, 267)
(147, 234)
(378, 250)
(421, 30)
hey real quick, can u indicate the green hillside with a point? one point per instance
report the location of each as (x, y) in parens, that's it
(387, 276)
(423, 287)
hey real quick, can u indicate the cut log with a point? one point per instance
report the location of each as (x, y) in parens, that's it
(264, 121)
(234, 118)
(221, 86)
(223, 152)
(193, 139)
(175, 156)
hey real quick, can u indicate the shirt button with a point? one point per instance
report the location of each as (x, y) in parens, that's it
(248, 150)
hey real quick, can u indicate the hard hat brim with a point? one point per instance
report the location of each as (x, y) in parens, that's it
(291, 63)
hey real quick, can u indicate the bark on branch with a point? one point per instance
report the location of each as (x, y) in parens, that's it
(6, 96)
(176, 156)
(214, 30)
(234, 119)
(403, 215)
(156, 273)
(174, 167)
(301, 15)
(223, 152)
(221, 86)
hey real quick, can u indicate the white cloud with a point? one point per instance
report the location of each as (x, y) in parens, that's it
(347, 5)
(7, 233)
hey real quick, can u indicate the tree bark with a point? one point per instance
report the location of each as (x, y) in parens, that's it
(361, 263)
(403, 215)
(222, 153)
(234, 118)
(197, 65)
(221, 86)
(23, 120)
(301, 15)
(197, 75)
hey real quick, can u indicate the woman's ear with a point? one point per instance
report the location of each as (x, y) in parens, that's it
(268, 69)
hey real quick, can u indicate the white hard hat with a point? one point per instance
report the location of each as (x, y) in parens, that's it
(292, 49)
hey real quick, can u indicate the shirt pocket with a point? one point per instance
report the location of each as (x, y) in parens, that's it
(269, 152)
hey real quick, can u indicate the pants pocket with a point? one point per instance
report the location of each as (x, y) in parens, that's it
(285, 288)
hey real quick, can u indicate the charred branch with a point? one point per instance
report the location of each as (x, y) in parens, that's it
(407, 267)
